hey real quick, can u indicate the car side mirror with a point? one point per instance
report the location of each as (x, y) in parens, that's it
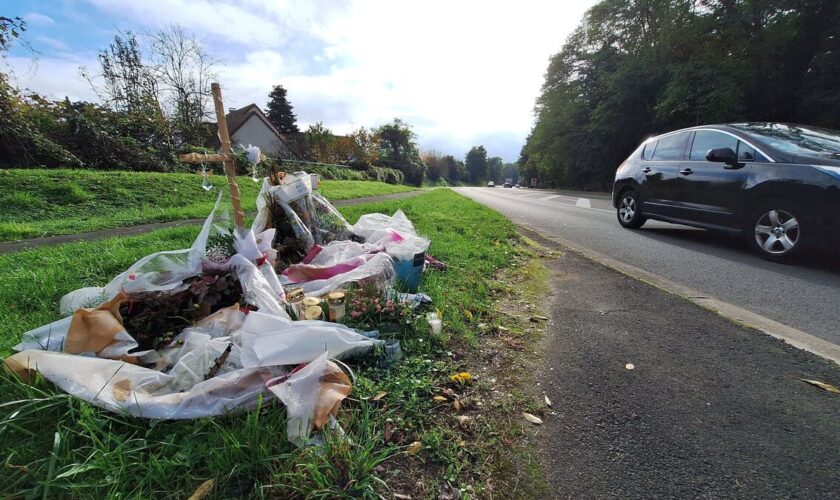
(723, 155)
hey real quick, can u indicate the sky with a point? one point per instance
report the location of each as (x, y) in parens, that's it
(462, 73)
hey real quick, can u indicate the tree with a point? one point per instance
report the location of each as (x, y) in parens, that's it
(318, 141)
(280, 112)
(130, 86)
(398, 150)
(476, 163)
(183, 70)
(364, 146)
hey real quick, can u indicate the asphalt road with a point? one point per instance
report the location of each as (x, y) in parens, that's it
(805, 295)
(709, 410)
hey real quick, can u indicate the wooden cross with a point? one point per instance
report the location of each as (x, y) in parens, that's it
(224, 157)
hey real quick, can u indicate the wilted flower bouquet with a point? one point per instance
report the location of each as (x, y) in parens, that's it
(369, 308)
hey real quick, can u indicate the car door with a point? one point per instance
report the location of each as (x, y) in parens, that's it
(658, 188)
(712, 193)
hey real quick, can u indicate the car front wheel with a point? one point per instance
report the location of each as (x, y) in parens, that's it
(776, 231)
(629, 210)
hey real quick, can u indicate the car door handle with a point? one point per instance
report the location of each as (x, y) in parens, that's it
(686, 171)
(646, 170)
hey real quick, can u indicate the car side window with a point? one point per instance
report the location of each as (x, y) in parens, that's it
(704, 140)
(748, 153)
(650, 147)
(671, 147)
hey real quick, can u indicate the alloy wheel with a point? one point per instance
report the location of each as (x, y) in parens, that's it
(777, 232)
(627, 209)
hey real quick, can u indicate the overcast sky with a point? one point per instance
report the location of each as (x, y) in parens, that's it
(461, 73)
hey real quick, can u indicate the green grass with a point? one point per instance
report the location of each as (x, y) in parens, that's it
(58, 446)
(50, 202)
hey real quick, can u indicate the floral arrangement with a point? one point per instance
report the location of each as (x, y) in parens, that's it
(368, 308)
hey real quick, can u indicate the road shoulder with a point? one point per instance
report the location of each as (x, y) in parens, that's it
(709, 408)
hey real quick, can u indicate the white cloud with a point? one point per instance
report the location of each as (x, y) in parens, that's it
(52, 42)
(36, 19)
(53, 77)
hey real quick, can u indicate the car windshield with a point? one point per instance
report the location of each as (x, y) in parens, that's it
(794, 139)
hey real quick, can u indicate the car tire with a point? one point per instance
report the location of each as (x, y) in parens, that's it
(629, 211)
(775, 231)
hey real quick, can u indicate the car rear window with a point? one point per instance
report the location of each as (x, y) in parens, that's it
(670, 147)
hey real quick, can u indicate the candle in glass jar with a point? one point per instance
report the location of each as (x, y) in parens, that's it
(314, 313)
(295, 298)
(336, 303)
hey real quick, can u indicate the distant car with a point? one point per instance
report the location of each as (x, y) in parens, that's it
(777, 184)
(517, 186)
(491, 184)
(508, 183)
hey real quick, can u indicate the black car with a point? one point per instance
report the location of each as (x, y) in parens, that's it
(777, 184)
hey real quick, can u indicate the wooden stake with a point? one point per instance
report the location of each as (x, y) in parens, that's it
(227, 159)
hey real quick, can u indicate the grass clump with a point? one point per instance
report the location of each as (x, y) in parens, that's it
(58, 446)
(51, 202)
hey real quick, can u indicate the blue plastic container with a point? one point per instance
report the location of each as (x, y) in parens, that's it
(410, 272)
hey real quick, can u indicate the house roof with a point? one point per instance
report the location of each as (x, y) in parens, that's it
(236, 118)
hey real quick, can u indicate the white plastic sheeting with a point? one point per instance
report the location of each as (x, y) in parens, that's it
(369, 223)
(337, 265)
(262, 347)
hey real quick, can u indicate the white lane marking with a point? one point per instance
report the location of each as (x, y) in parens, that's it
(550, 197)
(583, 202)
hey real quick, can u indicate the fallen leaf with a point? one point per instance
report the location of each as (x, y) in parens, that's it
(822, 385)
(463, 419)
(379, 396)
(532, 418)
(439, 313)
(439, 398)
(389, 432)
(457, 405)
(469, 315)
(414, 448)
(462, 377)
(203, 489)
(536, 318)
(630, 366)
(400, 496)
(547, 401)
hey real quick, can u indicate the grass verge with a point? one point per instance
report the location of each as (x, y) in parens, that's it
(51, 202)
(470, 434)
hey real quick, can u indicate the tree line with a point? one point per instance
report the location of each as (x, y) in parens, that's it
(634, 68)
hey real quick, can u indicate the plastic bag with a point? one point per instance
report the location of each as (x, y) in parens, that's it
(267, 341)
(302, 218)
(161, 271)
(369, 223)
(339, 264)
(312, 397)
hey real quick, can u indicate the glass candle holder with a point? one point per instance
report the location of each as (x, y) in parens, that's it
(337, 305)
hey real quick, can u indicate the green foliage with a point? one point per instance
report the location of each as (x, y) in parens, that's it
(635, 68)
(10, 28)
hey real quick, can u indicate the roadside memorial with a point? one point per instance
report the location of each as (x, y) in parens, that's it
(242, 314)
